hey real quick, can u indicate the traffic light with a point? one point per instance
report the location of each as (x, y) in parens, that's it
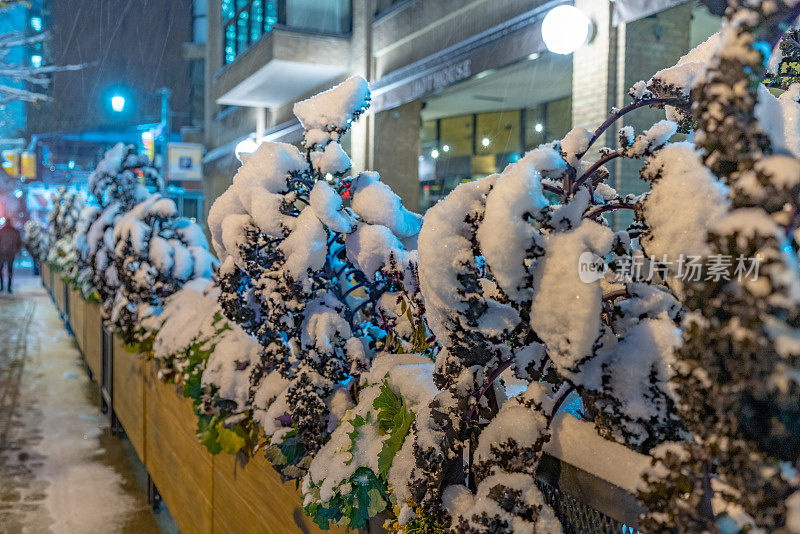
(28, 165)
(11, 162)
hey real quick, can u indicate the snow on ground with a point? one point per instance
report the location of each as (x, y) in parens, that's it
(60, 471)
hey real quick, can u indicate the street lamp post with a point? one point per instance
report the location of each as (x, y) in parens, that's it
(165, 93)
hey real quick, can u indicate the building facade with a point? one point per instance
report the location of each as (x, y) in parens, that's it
(460, 87)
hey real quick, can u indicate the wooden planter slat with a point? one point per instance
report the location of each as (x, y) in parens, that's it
(44, 272)
(182, 469)
(252, 499)
(93, 336)
(76, 318)
(128, 394)
(58, 293)
(83, 308)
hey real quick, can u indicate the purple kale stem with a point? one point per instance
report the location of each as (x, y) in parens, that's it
(480, 392)
(670, 101)
(610, 207)
(591, 170)
(553, 189)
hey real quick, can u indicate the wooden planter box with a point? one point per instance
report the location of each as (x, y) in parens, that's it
(252, 499)
(77, 318)
(58, 293)
(181, 468)
(93, 339)
(128, 394)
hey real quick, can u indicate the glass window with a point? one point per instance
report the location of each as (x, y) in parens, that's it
(455, 135)
(271, 17)
(241, 32)
(191, 208)
(246, 21)
(428, 133)
(327, 16)
(547, 121)
(228, 10)
(230, 42)
(498, 132)
(559, 117)
(256, 20)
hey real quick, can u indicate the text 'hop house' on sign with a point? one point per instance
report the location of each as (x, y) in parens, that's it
(419, 368)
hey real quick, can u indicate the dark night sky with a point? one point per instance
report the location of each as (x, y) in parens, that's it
(135, 48)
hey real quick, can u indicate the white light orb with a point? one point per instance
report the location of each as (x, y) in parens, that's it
(539, 127)
(117, 103)
(446, 148)
(565, 29)
(434, 153)
(245, 147)
(485, 141)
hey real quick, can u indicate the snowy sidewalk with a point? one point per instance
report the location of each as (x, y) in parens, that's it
(60, 469)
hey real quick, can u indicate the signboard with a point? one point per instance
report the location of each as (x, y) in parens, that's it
(40, 198)
(185, 161)
(518, 39)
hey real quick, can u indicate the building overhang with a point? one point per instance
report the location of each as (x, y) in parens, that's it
(278, 82)
(282, 67)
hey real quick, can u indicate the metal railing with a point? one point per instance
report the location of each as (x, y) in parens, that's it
(584, 503)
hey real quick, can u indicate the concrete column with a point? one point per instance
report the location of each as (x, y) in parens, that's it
(594, 75)
(360, 64)
(395, 150)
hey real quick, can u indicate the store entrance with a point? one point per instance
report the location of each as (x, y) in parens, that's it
(478, 127)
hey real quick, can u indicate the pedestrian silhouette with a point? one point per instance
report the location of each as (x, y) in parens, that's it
(10, 245)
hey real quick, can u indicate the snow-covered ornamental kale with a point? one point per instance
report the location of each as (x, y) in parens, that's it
(521, 273)
(140, 251)
(37, 240)
(81, 273)
(116, 186)
(62, 223)
(155, 253)
(121, 174)
(738, 371)
(210, 359)
(309, 277)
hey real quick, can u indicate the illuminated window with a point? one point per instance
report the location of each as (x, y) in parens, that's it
(456, 133)
(246, 21)
(498, 132)
(257, 20)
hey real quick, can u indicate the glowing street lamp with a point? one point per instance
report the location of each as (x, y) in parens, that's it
(565, 29)
(118, 103)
